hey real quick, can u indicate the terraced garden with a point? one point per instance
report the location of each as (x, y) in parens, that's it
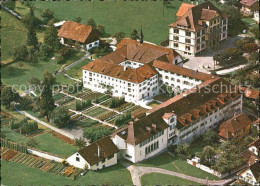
(82, 121)
(41, 163)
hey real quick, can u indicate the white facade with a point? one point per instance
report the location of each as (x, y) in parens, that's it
(78, 161)
(256, 16)
(254, 149)
(85, 46)
(91, 45)
(177, 81)
(132, 92)
(144, 150)
(248, 177)
(210, 121)
(191, 42)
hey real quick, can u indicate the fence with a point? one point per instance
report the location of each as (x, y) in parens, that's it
(195, 162)
(44, 155)
(13, 146)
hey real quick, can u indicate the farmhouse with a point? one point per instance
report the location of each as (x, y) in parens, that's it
(178, 120)
(249, 6)
(237, 127)
(137, 72)
(102, 153)
(72, 32)
(197, 27)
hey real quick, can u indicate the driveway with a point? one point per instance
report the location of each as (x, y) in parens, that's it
(204, 62)
(137, 172)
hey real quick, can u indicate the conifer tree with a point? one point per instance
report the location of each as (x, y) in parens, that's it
(134, 35)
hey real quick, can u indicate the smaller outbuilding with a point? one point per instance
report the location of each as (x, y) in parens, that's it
(237, 127)
(251, 174)
(72, 32)
(249, 6)
(100, 154)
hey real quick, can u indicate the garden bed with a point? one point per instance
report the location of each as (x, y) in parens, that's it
(63, 138)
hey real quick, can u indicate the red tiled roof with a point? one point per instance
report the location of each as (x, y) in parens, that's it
(248, 2)
(194, 16)
(250, 93)
(168, 115)
(183, 9)
(249, 156)
(188, 110)
(181, 70)
(146, 52)
(137, 75)
(75, 31)
(233, 125)
(90, 152)
(255, 143)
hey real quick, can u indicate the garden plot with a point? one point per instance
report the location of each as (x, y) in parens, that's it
(100, 113)
(86, 122)
(58, 96)
(63, 100)
(124, 107)
(70, 105)
(46, 165)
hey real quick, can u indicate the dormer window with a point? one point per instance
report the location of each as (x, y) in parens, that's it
(172, 120)
(77, 158)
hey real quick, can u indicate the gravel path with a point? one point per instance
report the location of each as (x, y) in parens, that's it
(137, 172)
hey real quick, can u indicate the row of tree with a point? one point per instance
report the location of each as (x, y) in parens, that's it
(24, 127)
(115, 102)
(80, 105)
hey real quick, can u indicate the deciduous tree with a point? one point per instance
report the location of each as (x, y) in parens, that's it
(60, 117)
(92, 23)
(134, 35)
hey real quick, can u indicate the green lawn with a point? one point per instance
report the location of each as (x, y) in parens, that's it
(250, 22)
(46, 142)
(61, 79)
(163, 179)
(17, 174)
(13, 33)
(76, 71)
(163, 161)
(120, 15)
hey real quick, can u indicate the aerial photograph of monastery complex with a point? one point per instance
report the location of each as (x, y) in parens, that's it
(130, 92)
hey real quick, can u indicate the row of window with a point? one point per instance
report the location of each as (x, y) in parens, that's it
(151, 138)
(152, 147)
(188, 33)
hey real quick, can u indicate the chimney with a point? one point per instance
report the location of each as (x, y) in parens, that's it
(98, 151)
(130, 134)
(208, 7)
(184, 95)
(124, 68)
(154, 125)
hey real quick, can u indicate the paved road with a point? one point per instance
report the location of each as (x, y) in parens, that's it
(204, 60)
(77, 62)
(71, 133)
(137, 172)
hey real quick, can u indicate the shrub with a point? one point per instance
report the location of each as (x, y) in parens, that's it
(20, 53)
(60, 117)
(65, 52)
(29, 128)
(80, 105)
(116, 102)
(123, 119)
(32, 142)
(96, 133)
